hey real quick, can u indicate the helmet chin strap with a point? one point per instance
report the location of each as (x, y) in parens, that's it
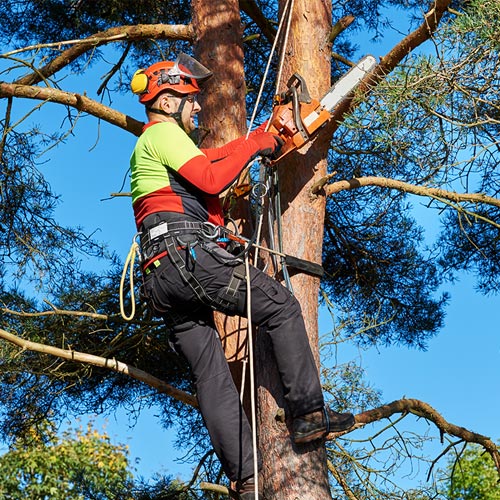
(177, 115)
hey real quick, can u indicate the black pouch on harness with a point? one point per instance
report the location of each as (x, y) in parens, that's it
(227, 297)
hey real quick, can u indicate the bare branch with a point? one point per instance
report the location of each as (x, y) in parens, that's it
(119, 33)
(342, 482)
(413, 40)
(426, 411)
(77, 101)
(393, 58)
(110, 364)
(55, 312)
(406, 187)
(216, 488)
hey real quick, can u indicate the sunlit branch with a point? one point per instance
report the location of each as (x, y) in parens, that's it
(342, 482)
(119, 33)
(77, 101)
(110, 364)
(388, 62)
(442, 194)
(426, 411)
(216, 488)
(55, 312)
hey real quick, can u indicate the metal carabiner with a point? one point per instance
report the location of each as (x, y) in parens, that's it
(209, 231)
(259, 190)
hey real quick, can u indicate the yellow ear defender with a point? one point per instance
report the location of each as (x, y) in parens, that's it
(139, 83)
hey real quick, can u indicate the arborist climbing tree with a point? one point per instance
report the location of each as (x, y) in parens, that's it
(188, 273)
(414, 122)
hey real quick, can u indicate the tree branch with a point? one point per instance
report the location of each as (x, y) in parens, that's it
(393, 58)
(342, 482)
(77, 101)
(119, 33)
(110, 364)
(342, 24)
(254, 12)
(216, 488)
(25, 87)
(426, 411)
(406, 187)
(55, 312)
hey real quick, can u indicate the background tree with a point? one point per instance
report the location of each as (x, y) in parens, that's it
(471, 475)
(423, 125)
(79, 465)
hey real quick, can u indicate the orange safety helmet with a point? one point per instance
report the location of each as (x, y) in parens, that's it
(181, 76)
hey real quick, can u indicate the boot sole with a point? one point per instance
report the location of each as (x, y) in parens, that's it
(307, 438)
(313, 436)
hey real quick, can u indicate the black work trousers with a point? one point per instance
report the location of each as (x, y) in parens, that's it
(192, 330)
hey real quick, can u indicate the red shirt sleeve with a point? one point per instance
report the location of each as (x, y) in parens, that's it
(214, 154)
(213, 177)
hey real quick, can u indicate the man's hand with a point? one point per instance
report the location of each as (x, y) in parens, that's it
(269, 144)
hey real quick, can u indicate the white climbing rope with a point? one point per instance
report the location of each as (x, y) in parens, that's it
(129, 265)
(288, 9)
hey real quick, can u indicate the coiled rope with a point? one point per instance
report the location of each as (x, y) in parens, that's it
(129, 265)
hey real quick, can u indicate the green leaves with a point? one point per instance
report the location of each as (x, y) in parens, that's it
(472, 477)
(82, 464)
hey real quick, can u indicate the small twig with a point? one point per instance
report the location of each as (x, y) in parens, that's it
(441, 455)
(114, 69)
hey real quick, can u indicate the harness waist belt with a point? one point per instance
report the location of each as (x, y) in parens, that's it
(153, 238)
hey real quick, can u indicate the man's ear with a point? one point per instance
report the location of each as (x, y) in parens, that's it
(165, 103)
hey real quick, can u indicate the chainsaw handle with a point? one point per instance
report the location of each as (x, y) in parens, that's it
(298, 83)
(296, 114)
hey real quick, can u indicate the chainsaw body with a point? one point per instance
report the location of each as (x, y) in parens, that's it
(297, 117)
(290, 119)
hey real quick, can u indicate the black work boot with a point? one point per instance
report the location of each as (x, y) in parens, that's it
(318, 424)
(246, 489)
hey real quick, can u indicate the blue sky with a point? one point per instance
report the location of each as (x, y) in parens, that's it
(458, 375)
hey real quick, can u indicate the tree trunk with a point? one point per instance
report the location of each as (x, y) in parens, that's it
(288, 472)
(291, 473)
(219, 46)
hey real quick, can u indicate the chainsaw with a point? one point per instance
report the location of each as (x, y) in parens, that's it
(297, 118)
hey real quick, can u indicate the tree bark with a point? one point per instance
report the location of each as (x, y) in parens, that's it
(219, 46)
(291, 472)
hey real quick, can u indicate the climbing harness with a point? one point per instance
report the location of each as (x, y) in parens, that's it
(179, 240)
